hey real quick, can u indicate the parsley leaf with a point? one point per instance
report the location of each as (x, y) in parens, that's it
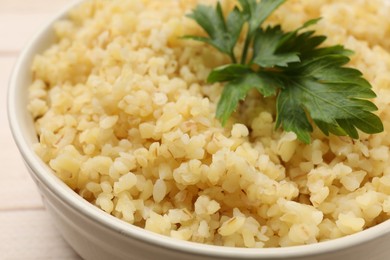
(291, 114)
(335, 103)
(311, 83)
(223, 34)
(238, 86)
(266, 53)
(256, 12)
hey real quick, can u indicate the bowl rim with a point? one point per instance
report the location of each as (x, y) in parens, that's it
(45, 176)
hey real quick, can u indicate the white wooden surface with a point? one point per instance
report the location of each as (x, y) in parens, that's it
(26, 229)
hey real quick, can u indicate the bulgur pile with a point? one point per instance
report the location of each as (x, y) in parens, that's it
(125, 118)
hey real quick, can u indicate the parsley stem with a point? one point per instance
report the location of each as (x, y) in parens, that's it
(246, 48)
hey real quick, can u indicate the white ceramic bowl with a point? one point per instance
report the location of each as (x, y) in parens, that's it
(97, 235)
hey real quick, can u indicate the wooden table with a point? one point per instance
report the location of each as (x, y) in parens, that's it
(26, 229)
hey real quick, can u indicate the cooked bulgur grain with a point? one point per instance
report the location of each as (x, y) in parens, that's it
(125, 118)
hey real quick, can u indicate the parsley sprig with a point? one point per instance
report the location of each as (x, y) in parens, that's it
(311, 82)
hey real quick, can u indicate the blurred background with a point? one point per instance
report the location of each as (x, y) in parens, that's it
(26, 229)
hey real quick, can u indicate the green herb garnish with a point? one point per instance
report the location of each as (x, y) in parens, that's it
(311, 83)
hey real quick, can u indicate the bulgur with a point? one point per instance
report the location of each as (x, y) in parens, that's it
(125, 118)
